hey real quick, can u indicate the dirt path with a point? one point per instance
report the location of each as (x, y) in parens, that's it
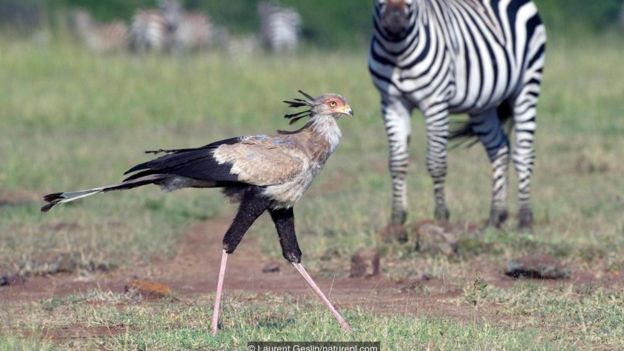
(193, 271)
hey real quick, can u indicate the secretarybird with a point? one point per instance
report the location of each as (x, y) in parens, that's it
(261, 172)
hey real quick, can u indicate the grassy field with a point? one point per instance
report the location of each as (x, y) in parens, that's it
(70, 120)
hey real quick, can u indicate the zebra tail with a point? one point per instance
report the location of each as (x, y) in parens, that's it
(462, 134)
(69, 196)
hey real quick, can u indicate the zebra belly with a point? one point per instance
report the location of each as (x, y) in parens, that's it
(474, 106)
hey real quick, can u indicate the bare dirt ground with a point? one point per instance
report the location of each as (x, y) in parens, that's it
(195, 267)
(193, 271)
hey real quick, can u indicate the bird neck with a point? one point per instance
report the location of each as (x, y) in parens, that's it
(326, 128)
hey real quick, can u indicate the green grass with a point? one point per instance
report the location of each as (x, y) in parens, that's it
(531, 318)
(70, 120)
(183, 325)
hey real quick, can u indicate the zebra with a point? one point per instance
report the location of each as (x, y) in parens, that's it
(187, 30)
(480, 57)
(280, 27)
(101, 38)
(171, 28)
(149, 31)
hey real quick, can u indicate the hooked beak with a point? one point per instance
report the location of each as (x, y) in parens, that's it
(347, 110)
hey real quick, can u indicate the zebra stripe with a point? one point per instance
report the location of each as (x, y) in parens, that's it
(280, 26)
(481, 57)
(171, 28)
(148, 31)
(187, 31)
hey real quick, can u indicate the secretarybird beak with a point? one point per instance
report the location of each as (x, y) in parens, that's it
(348, 110)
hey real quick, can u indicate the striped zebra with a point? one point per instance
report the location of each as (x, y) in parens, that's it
(171, 28)
(149, 31)
(480, 57)
(101, 38)
(280, 27)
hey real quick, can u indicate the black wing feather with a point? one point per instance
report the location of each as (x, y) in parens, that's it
(197, 163)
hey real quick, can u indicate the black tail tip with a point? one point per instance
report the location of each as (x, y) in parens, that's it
(52, 200)
(52, 197)
(47, 207)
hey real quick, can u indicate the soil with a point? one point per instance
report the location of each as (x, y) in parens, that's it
(193, 271)
(16, 198)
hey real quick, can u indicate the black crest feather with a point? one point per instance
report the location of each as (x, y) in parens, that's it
(296, 103)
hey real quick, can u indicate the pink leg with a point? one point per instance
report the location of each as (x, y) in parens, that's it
(217, 304)
(318, 291)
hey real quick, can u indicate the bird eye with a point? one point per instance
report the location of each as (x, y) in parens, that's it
(332, 103)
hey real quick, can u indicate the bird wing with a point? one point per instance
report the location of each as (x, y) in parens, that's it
(263, 160)
(257, 160)
(197, 163)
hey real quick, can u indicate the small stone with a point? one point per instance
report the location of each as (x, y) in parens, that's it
(148, 289)
(393, 232)
(365, 263)
(11, 279)
(271, 267)
(537, 267)
(414, 281)
(434, 238)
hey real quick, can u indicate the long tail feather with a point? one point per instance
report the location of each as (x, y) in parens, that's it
(61, 198)
(69, 196)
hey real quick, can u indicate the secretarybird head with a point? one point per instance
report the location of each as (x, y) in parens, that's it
(264, 173)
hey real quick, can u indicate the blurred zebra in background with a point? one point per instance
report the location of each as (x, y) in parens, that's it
(148, 31)
(484, 58)
(171, 28)
(188, 31)
(280, 27)
(100, 38)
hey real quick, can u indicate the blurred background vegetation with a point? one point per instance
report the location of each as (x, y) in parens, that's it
(327, 23)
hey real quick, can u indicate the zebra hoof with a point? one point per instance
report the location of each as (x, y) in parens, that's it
(525, 220)
(442, 213)
(398, 217)
(498, 217)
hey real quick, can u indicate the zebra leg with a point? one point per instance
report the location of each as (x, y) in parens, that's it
(488, 128)
(524, 113)
(437, 121)
(396, 116)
